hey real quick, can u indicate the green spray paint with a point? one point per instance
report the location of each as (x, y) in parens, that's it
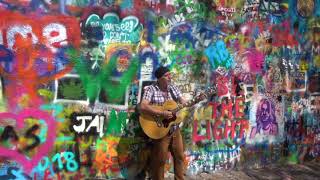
(197, 65)
(47, 94)
(293, 154)
(198, 10)
(89, 80)
(293, 158)
(116, 123)
(101, 145)
(94, 82)
(115, 92)
(72, 90)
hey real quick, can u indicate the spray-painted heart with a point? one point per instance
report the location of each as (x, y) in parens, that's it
(116, 31)
(44, 148)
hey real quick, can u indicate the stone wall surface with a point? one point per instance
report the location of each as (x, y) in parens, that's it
(73, 72)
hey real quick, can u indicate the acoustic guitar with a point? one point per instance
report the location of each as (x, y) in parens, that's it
(156, 127)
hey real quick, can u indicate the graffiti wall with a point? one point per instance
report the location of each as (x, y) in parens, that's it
(73, 71)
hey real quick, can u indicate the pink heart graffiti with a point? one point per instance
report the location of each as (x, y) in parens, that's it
(44, 148)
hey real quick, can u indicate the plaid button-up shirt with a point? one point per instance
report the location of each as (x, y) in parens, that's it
(155, 96)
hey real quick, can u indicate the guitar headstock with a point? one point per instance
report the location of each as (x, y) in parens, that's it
(211, 90)
(208, 92)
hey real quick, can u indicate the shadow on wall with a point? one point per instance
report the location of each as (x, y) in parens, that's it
(136, 149)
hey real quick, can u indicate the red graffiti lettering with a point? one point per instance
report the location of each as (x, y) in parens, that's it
(51, 31)
(239, 107)
(221, 130)
(217, 132)
(227, 109)
(196, 136)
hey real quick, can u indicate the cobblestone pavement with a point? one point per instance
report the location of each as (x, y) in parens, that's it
(306, 171)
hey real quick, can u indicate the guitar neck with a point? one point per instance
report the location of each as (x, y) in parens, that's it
(189, 103)
(196, 99)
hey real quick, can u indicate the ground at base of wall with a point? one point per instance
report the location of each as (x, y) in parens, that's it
(306, 171)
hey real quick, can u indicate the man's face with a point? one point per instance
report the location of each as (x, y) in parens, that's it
(166, 78)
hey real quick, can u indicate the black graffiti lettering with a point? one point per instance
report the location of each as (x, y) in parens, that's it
(30, 134)
(9, 133)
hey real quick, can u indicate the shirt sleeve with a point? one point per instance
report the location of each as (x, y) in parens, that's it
(176, 91)
(147, 95)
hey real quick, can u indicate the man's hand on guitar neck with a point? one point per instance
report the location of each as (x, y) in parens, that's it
(197, 99)
(202, 96)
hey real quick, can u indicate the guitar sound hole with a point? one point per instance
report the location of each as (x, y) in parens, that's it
(166, 122)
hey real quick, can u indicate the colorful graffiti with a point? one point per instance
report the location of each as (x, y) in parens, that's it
(72, 73)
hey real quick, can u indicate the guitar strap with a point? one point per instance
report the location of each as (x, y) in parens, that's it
(172, 95)
(176, 126)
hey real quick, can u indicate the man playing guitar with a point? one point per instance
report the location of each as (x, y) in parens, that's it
(159, 120)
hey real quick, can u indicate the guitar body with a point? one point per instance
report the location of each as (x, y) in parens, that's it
(157, 127)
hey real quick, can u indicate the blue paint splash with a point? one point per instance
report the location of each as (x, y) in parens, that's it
(218, 55)
(126, 5)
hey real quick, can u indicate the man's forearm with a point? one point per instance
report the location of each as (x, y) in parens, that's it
(145, 108)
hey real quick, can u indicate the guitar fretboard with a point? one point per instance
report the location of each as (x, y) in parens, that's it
(197, 99)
